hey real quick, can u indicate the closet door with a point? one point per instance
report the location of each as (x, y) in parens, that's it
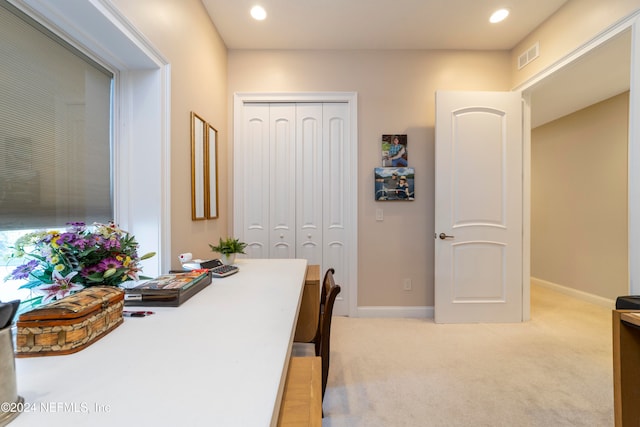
(293, 185)
(252, 186)
(267, 186)
(309, 183)
(336, 196)
(282, 181)
(295, 181)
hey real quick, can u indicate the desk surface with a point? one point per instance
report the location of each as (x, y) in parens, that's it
(633, 317)
(219, 359)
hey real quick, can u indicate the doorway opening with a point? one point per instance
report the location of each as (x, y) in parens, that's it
(579, 178)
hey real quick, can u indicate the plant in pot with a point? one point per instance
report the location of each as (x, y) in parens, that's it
(228, 248)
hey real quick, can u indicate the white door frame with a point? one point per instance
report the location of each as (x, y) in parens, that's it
(351, 158)
(632, 22)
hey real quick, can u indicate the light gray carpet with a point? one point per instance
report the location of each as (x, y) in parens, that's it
(555, 370)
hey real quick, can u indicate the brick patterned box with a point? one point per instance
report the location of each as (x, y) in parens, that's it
(70, 324)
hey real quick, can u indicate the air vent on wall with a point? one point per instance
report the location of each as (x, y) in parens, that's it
(532, 53)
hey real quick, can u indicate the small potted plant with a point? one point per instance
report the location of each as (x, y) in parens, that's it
(228, 248)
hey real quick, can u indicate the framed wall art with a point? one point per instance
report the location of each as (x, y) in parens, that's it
(394, 150)
(394, 184)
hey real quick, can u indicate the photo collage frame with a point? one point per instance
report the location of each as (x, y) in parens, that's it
(394, 180)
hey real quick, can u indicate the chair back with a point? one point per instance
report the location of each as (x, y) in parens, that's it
(323, 335)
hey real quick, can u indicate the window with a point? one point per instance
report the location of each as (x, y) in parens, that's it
(55, 132)
(55, 150)
(140, 122)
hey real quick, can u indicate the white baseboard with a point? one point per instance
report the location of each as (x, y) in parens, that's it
(427, 312)
(584, 296)
(397, 312)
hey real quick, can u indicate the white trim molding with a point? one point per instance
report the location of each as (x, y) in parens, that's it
(632, 21)
(634, 162)
(526, 207)
(575, 293)
(601, 38)
(392, 312)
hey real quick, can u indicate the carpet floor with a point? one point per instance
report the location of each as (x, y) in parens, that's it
(554, 370)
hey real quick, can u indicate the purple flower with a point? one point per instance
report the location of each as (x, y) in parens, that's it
(22, 271)
(47, 238)
(95, 241)
(109, 263)
(81, 243)
(88, 271)
(70, 238)
(112, 243)
(77, 227)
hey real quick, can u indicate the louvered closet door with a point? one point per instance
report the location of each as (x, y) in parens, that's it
(252, 185)
(322, 132)
(309, 180)
(291, 193)
(335, 165)
(282, 181)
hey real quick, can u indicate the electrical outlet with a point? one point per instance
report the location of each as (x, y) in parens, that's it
(406, 284)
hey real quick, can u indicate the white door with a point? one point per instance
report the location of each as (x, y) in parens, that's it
(336, 198)
(309, 183)
(282, 180)
(478, 218)
(251, 196)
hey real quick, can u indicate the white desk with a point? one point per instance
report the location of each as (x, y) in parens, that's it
(218, 360)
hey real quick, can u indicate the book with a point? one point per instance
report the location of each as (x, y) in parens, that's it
(170, 290)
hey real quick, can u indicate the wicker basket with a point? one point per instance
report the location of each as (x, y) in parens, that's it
(70, 324)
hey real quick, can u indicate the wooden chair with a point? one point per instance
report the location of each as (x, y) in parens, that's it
(322, 339)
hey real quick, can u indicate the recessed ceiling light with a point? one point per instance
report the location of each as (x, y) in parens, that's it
(499, 16)
(258, 13)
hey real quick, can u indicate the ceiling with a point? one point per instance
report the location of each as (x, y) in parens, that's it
(377, 24)
(426, 24)
(600, 74)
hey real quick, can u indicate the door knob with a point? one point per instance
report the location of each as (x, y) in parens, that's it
(444, 236)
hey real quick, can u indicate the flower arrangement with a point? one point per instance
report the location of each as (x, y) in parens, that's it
(60, 263)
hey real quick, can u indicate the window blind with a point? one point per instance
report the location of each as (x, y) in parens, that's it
(55, 129)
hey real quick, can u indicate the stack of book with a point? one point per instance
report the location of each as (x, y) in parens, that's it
(169, 290)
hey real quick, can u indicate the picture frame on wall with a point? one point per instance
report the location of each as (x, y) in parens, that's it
(394, 184)
(198, 168)
(212, 172)
(394, 150)
(204, 169)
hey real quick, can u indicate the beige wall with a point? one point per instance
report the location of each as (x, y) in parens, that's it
(579, 199)
(185, 36)
(574, 24)
(395, 95)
